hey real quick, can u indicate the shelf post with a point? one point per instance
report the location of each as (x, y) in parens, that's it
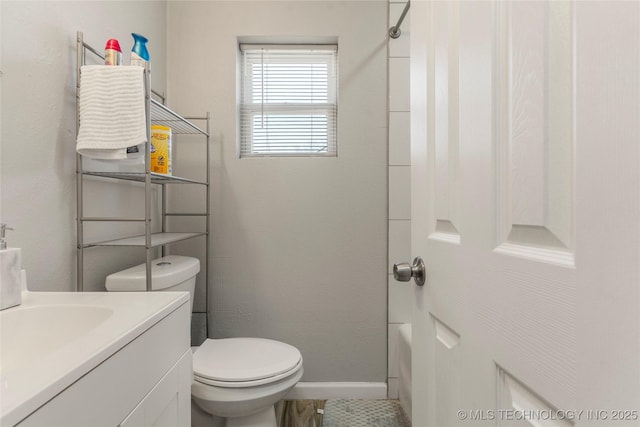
(147, 177)
(79, 210)
(207, 237)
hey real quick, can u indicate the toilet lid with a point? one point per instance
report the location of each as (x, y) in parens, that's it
(243, 359)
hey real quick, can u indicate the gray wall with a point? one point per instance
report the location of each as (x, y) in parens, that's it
(37, 189)
(299, 244)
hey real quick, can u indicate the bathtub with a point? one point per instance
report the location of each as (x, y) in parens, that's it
(404, 367)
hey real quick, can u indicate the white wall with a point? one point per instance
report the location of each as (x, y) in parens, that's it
(299, 244)
(37, 189)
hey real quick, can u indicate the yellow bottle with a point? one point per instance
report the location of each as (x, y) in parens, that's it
(161, 149)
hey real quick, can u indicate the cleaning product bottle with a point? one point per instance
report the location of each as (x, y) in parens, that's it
(139, 52)
(139, 57)
(112, 53)
(161, 149)
(10, 273)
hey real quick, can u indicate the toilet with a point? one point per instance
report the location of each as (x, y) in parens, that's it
(236, 381)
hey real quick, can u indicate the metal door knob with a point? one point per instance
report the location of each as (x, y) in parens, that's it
(403, 272)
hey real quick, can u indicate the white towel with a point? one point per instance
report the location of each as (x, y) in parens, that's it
(112, 111)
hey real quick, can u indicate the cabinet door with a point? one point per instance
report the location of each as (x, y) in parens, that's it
(168, 404)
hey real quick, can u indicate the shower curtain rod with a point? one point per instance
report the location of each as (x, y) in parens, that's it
(394, 32)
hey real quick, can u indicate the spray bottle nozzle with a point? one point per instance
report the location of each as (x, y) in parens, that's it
(140, 46)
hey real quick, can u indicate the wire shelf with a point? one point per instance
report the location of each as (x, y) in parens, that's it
(156, 178)
(161, 115)
(157, 239)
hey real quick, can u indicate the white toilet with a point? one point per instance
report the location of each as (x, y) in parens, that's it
(236, 381)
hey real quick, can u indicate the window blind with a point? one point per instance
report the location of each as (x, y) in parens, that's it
(288, 100)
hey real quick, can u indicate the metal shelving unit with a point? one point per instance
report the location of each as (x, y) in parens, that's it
(156, 113)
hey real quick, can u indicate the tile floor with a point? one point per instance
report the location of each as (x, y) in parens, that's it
(341, 413)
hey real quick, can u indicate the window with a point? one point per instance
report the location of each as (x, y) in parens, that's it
(288, 103)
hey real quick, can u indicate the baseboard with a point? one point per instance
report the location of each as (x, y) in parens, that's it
(336, 390)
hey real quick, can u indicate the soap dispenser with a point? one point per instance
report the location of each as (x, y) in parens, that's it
(10, 272)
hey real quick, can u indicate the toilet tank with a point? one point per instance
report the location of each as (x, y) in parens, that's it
(169, 273)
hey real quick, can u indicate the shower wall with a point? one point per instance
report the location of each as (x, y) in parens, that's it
(400, 293)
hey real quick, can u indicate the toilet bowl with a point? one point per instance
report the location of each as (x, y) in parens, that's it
(236, 381)
(240, 379)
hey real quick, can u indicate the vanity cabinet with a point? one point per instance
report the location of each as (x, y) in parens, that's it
(145, 383)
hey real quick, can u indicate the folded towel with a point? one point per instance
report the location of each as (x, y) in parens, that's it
(112, 111)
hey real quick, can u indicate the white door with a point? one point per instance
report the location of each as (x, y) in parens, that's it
(525, 141)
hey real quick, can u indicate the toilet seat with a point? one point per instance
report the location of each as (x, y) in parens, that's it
(242, 384)
(244, 362)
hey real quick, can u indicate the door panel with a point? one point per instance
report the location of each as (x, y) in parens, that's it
(535, 122)
(519, 406)
(447, 378)
(445, 121)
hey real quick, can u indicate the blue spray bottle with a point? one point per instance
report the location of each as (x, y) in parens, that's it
(139, 52)
(139, 57)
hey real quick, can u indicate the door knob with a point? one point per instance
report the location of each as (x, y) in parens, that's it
(403, 272)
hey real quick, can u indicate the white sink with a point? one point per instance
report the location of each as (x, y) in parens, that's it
(54, 338)
(33, 332)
